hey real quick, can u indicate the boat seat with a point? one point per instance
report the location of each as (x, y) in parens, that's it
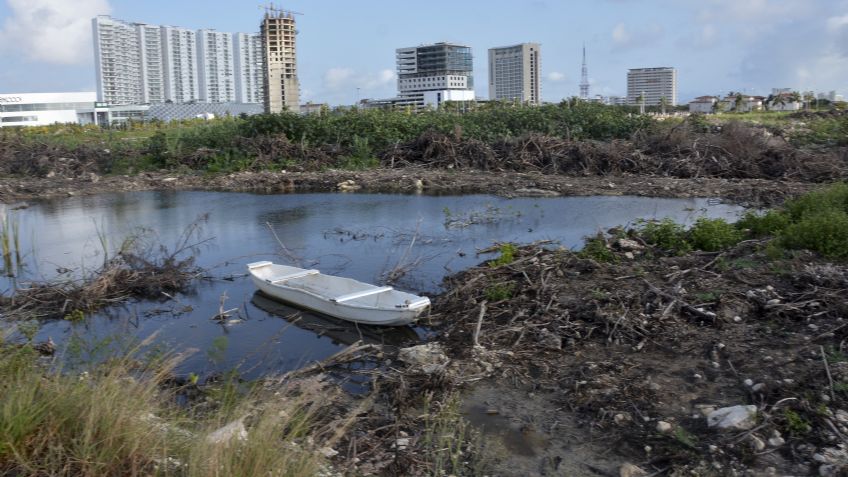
(360, 294)
(292, 276)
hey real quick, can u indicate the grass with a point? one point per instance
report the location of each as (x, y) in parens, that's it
(595, 248)
(499, 291)
(119, 419)
(449, 443)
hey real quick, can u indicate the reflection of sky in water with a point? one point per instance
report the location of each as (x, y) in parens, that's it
(354, 235)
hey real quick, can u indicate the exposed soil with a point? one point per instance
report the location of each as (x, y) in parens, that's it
(611, 369)
(755, 192)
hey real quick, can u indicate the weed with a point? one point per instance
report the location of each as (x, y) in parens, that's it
(507, 255)
(499, 291)
(685, 437)
(795, 423)
(450, 445)
(707, 297)
(596, 248)
(761, 225)
(712, 235)
(665, 235)
(75, 315)
(824, 232)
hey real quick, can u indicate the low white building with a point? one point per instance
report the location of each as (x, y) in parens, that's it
(703, 105)
(42, 109)
(39, 109)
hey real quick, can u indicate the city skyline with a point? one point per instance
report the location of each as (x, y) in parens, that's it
(716, 45)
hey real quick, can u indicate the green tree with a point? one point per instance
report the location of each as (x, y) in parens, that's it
(663, 104)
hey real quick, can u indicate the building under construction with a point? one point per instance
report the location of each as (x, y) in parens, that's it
(282, 88)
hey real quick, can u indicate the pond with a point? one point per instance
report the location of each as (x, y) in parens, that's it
(362, 236)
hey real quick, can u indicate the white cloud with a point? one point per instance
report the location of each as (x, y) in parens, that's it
(52, 31)
(341, 78)
(556, 77)
(837, 23)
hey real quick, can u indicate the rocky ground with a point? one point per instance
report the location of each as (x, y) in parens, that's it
(707, 364)
(756, 192)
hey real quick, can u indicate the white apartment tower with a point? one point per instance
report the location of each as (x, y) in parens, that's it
(429, 75)
(514, 73)
(654, 84)
(152, 68)
(216, 67)
(281, 85)
(179, 54)
(249, 68)
(117, 61)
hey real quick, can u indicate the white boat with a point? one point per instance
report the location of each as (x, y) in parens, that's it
(340, 297)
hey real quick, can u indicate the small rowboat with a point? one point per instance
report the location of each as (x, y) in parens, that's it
(339, 297)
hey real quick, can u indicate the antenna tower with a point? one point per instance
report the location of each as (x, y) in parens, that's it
(584, 81)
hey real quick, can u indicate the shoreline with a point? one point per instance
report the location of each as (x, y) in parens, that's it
(749, 192)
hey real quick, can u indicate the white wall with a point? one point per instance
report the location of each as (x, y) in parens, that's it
(43, 108)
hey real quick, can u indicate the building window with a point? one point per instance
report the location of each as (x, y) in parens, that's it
(19, 119)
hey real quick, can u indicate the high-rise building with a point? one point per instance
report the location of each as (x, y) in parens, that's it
(152, 68)
(281, 85)
(179, 54)
(249, 68)
(216, 67)
(514, 73)
(117, 61)
(137, 63)
(429, 75)
(654, 84)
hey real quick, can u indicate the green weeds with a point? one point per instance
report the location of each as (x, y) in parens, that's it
(507, 255)
(499, 291)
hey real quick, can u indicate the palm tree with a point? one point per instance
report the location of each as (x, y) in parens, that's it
(641, 100)
(808, 100)
(663, 104)
(737, 101)
(779, 100)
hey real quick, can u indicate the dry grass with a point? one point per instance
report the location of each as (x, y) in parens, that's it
(121, 419)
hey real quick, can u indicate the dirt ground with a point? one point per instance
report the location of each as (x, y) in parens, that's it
(754, 192)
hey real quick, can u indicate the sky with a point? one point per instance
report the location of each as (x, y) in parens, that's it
(346, 48)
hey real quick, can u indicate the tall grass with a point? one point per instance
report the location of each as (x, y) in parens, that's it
(10, 242)
(120, 419)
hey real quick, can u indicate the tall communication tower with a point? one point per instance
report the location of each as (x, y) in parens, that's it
(584, 81)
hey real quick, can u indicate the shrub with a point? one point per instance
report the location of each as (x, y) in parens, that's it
(712, 235)
(596, 249)
(666, 235)
(834, 197)
(824, 232)
(763, 225)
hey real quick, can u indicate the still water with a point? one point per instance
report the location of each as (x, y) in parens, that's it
(361, 236)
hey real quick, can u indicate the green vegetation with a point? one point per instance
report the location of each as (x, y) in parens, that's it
(507, 255)
(665, 235)
(816, 221)
(712, 235)
(596, 248)
(795, 424)
(499, 291)
(351, 139)
(119, 418)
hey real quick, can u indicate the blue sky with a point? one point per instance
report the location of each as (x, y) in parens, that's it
(717, 45)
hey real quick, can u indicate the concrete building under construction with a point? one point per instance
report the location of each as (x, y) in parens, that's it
(282, 88)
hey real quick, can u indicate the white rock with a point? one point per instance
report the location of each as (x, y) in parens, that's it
(737, 319)
(757, 443)
(232, 431)
(776, 441)
(663, 427)
(758, 387)
(629, 245)
(402, 443)
(749, 382)
(328, 452)
(734, 417)
(631, 470)
(429, 357)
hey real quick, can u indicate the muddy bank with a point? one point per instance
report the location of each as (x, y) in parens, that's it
(586, 368)
(756, 192)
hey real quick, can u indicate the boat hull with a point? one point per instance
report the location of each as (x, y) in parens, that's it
(325, 305)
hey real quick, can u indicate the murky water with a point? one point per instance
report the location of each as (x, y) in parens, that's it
(355, 235)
